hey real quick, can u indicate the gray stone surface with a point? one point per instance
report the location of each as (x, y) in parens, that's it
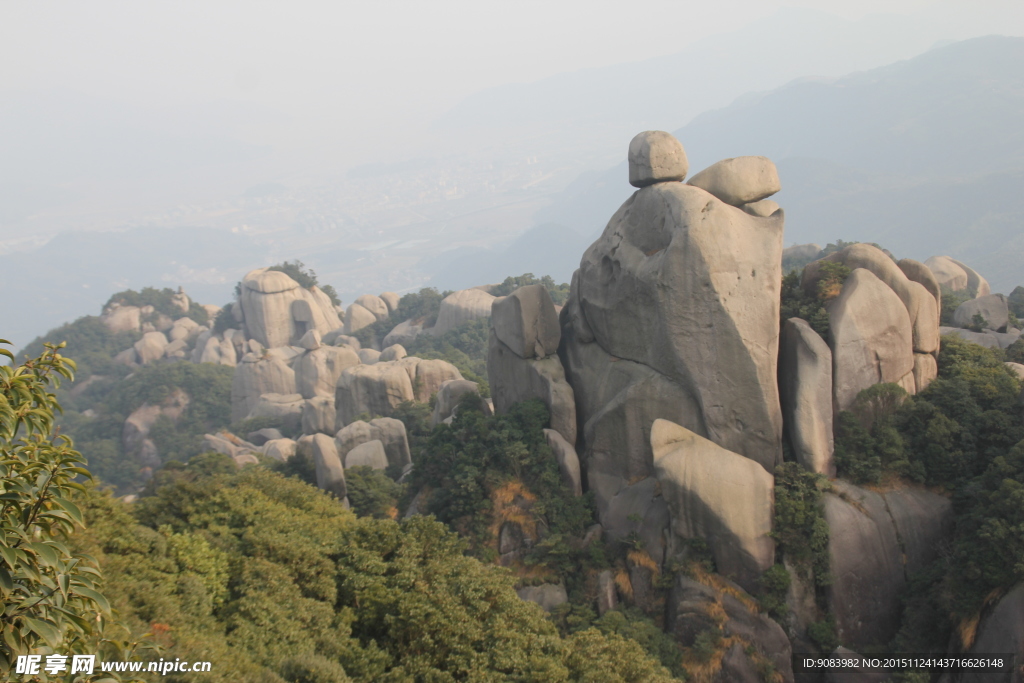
(403, 333)
(388, 431)
(284, 408)
(607, 595)
(974, 280)
(525, 321)
(805, 389)
(310, 341)
(656, 157)
(120, 318)
(460, 307)
(261, 436)
(151, 347)
(368, 454)
(319, 415)
(390, 300)
(987, 339)
(448, 397)
(357, 317)
(947, 273)
(1001, 631)
(514, 379)
(925, 371)
(427, 375)
(317, 371)
(255, 378)
(734, 520)
(278, 312)
(870, 336)
(739, 181)
(374, 389)
(393, 352)
(660, 289)
(802, 252)
(875, 540)
(568, 461)
(375, 305)
(280, 449)
(640, 509)
(923, 275)
(330, 475)
(369, 356)
(993, 308)
(762, 209)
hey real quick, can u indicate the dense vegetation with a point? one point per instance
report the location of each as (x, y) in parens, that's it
(798, 303)
(162, 302)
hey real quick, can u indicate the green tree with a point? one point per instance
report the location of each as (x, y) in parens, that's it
(51, 596)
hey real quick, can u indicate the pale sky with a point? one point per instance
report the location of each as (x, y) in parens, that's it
(356, 73)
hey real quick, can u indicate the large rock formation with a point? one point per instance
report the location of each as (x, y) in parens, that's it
(461, 307)
(674, 314)
(257, 376)
(120, 318)
(876, 540)
(568, 461)
(734, 519)
(389, 432)
(1001, 632)
(317, 371)
(656, 157)
(957, 276)
(135, 434)
(805, 387)
(277, 311)
(870, 335)
(448, 397)
(739, 181)
(525, 321)
(151, 347)
(330, 475)
(992, 308)
(377, 389)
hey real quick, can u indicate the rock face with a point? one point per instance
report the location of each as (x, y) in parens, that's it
(256, 377)
(278, 312)
(369, 454)
(875, 542)
(151, 347)
(674, 314)
(921, 305)
(427, 375)
(992, 307)
(403, 333)
(280, 449)
(923, 275)
(389, 432)
(375, 305)
(694, 607)
(317, 371)
(461, 307)
(739, 181)
(870, 336)
(448, 397)
(1001, 631)
(805, 387)
(801, 252)
(735, 520)
(120, 318)
(514, 379)
(390, 300)
(330, 475)
(284, 408)
(948, 272)
(375, 389)
(656, 157)
(568, 461)
(319, 415)
(974, 280)
(393, 352)
(135, 434)
(926, 369)
(357, 317)
(525, 321)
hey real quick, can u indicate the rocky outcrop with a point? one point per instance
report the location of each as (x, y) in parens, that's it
(525, 321)
(317, 371)
(255, 377)
(664, 320)
(393, 352)
(357, 317)
(374, 389)
(427, 375)
(639, 509)
(319, 415)
(987, 338)
(926, 369)
(285, 409)
(120, 318)
(368, 454)
(921, 304)
(448, 397)
(876, 540)
(1001, 631)
(151, 347)
(390, 300)
(239, 450)
(992, 308)
(460, 307)
(801, 252)
(369, 356)
(870, 335)
(375, 305)
(656, 157)
(330, 475)
(735, 520)
(957, 276)
(749, 638)
(568, 461)
(805, 388)
(514, 379)
(388, 431)
(262, 436)
(739, 181)
(923, 275)
(403, 333)
(280, 449)
(135, 433)
(278, 312)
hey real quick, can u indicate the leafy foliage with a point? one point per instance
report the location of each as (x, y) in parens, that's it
(867, 441)
(465, 347)
(90, 344)
(951, 301)
(559, 293)
(306, 277)
(372, 493)
(51, 595)
(800, 528)
(797, 303)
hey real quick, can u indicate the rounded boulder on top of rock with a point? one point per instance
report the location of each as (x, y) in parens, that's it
(738, 181)
(368, 454)
(391, 300)
(310, 341)
(656, 157)
(357, 317)
(974, 280)
(151, 347)
(947, 272)
(393, 352)
(460, 307)
(375, 305)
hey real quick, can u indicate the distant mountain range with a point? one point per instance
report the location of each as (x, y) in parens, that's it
(924, 156)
